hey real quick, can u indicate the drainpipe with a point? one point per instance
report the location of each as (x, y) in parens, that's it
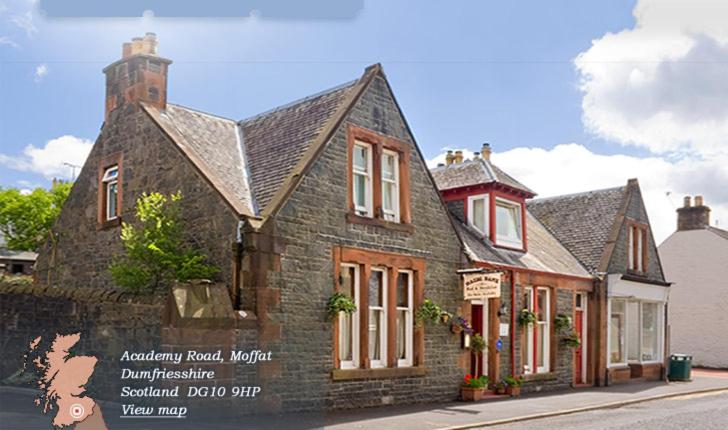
(513, 323)
(239, 251)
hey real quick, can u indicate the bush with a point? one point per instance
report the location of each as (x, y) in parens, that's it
(155, 252)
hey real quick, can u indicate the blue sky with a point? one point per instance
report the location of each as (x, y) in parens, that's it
(501, 72)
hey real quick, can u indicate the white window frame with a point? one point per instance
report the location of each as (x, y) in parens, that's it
(531, 330)
(108, 180)
(382, 362)
(355, 333)
(628, 323)
(366, 210)
(408, 321)
(507, 241)
(623, 337)
(471, 212)
(394, 212)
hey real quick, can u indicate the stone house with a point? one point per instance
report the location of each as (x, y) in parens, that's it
(539, 274)
(694, 258)
(609, 232)
(328, 193)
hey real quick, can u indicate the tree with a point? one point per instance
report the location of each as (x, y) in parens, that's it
(26, 218)
(155, 252)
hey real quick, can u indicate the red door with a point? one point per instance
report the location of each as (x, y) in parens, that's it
(578, 352)
(476, 313)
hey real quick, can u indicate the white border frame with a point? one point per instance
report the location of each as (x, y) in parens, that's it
(409, 336)
(396, 193)
(504, 241)
(368, 192)
(355, 333)
(382, 362)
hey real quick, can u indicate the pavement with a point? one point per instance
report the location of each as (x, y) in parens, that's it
(18, 412)
(528, 407)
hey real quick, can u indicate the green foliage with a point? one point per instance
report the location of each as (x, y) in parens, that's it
(571, 340)
(16, 279)
(562, 322)
(526, 317)
(429, 312)
(477, 344)
(340, 302)
(155, 252)
(512, 381)
(477, 383)
(26, 219)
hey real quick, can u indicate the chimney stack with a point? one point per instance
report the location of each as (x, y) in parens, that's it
(476, 155)
(458, 157)
(485, 151)
(449, 158)
(140, 75)
(693, 217)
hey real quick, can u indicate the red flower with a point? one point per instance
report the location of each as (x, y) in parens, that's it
(468, 378)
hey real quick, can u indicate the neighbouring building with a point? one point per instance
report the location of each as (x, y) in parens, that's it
(694, 258)
(609, 232)
(539, 274)
(328, 193)
(16, 262)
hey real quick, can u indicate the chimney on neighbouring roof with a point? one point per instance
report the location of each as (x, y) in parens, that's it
(458, 157)
(485, 151)
(449, 158)
(476, 155)
(140, 75)
(693, 217)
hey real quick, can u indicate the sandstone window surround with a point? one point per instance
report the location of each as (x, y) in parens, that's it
(637, 247)
(378, 180)
(380, 339)
(110, 191)
(538, 335)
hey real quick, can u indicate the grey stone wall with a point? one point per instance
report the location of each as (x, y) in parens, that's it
(311, 223)
(620, 258)
(150, 163)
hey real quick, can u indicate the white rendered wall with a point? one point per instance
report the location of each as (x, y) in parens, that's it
(697, 262)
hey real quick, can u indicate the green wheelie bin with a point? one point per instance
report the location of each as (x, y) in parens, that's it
(680, 366)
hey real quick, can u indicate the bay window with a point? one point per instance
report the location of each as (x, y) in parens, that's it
(538, 334)
(378, 317)
(508, 217)
(635, 331)
(478, 213)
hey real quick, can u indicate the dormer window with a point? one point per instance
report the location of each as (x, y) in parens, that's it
(478, 211)
(508, 223)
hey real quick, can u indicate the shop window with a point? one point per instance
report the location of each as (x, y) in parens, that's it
(635, 331)
(538, 334)
(349, 324)
(478, 213)
(617, 349)
(508, 223)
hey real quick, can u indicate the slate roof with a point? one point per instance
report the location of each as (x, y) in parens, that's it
(276, 140)
(248, 161)
(545, 253)
(474, 172)
(7, 254)
(581, 222)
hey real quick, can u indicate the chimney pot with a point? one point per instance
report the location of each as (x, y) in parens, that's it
(686, 201)
(698, 200)
(486, 151)
(449, 158)
(476, 155)
(458, 157)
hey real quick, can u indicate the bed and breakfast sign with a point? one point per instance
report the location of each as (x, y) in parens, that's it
(478, 286)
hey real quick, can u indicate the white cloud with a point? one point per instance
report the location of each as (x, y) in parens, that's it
(49, 160)
(571, 168)
(25, 22)
(662, 84)
(5, 40)
(40, 72)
